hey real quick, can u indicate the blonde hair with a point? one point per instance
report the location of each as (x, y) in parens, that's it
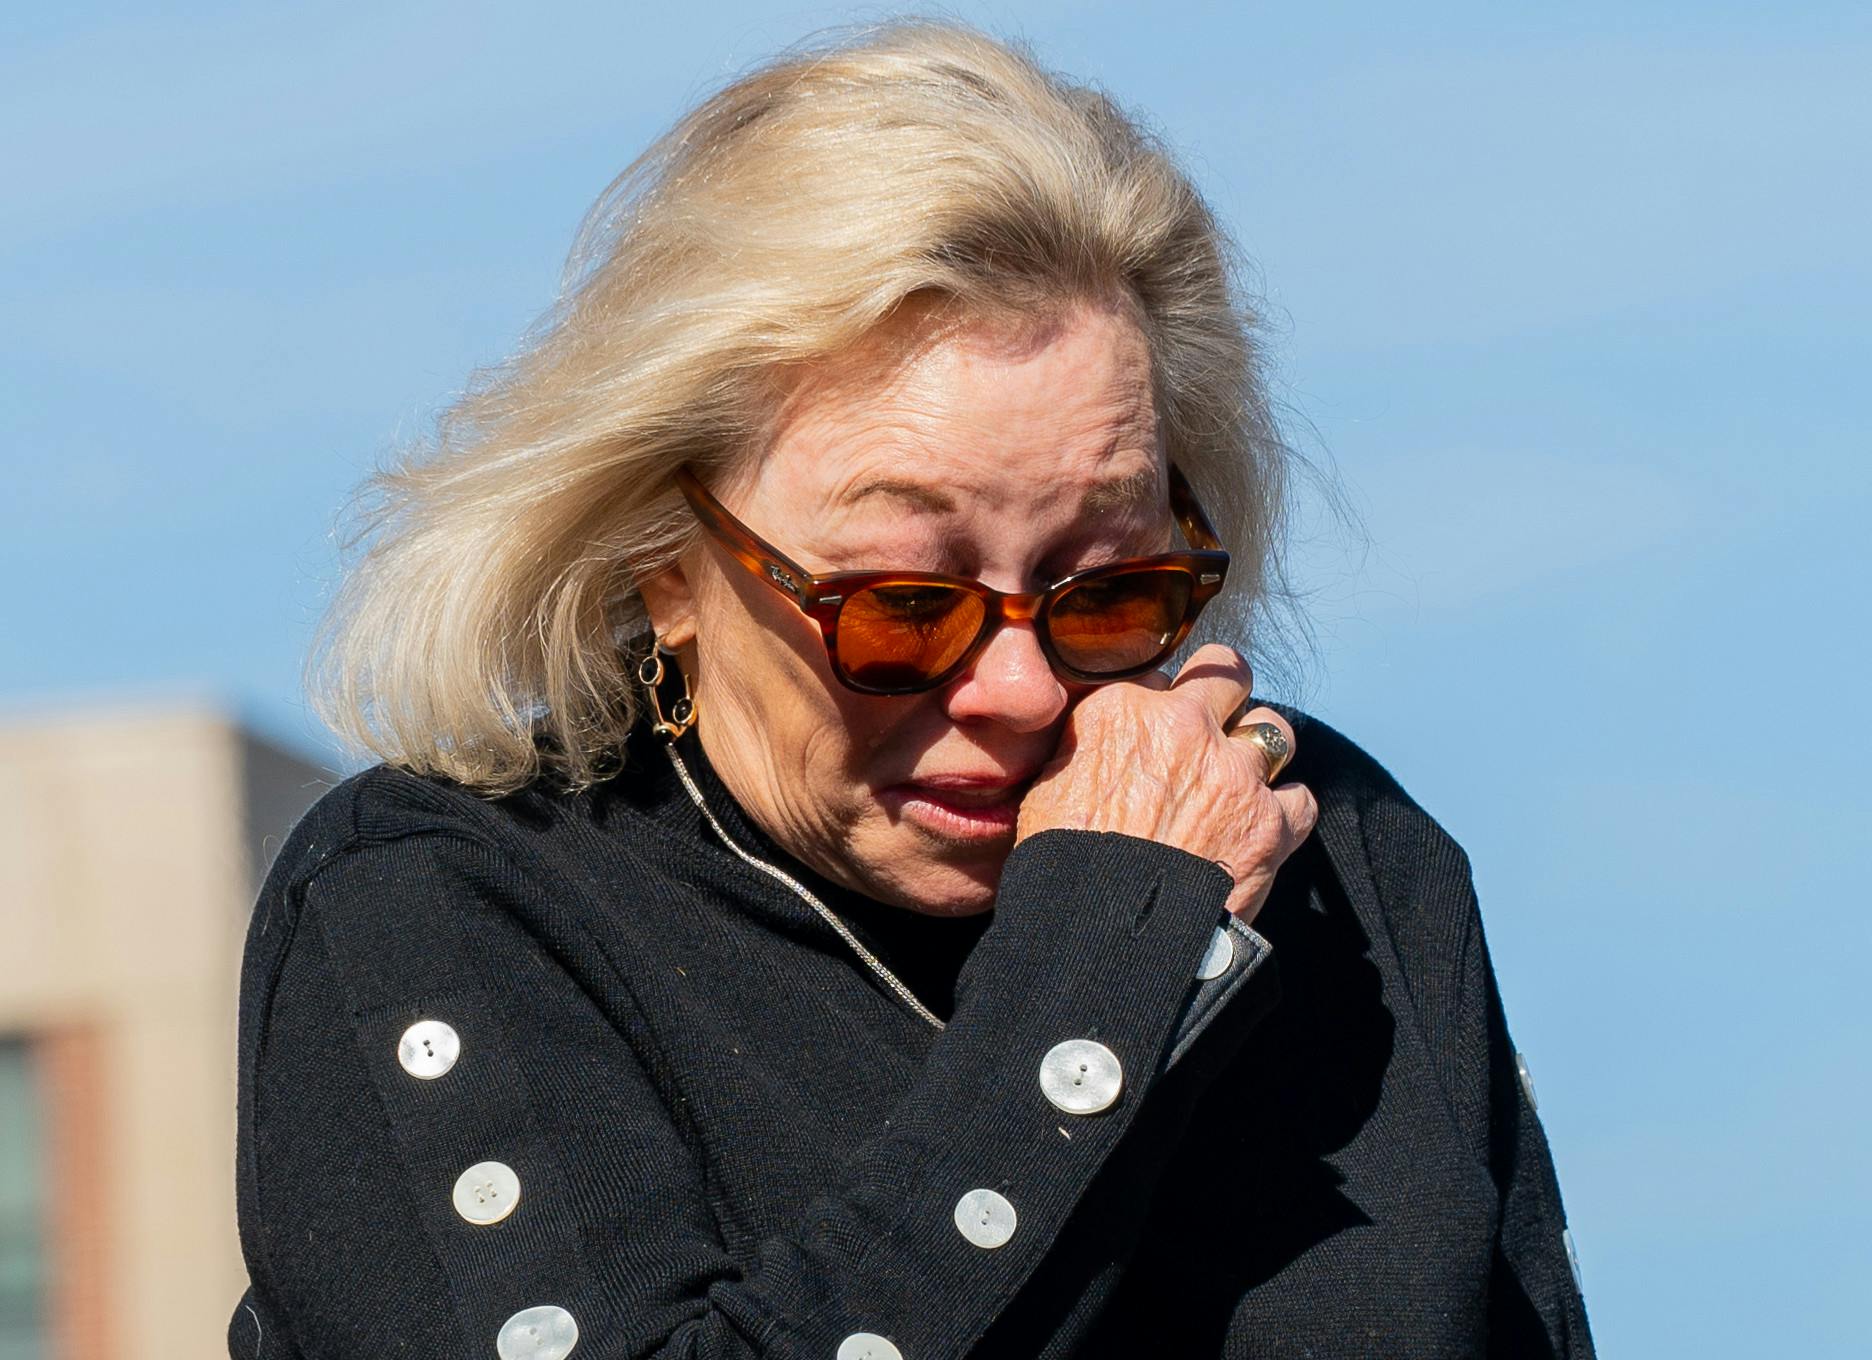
(488, 630)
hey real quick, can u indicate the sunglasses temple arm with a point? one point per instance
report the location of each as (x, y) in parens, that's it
(749, 548)
(1196, 527)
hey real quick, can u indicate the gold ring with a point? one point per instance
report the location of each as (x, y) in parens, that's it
(1273, 743)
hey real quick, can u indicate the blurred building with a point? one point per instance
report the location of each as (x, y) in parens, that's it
(131, 847)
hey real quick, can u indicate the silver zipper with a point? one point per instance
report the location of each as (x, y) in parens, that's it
(871, 960)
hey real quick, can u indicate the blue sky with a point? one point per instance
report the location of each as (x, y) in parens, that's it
(1573, 300)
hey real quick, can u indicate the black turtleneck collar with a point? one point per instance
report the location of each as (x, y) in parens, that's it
(926, 952)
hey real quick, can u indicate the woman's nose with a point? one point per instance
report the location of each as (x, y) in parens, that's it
(1010, 683)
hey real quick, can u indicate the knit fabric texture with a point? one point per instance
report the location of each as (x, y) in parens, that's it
(733, 1139)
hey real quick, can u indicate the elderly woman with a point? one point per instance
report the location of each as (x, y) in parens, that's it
(816, 899)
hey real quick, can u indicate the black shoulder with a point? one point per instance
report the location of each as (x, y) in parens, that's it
(1329, 762)
(382, 803)
(1423, 878)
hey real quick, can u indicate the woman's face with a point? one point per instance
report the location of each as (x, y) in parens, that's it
(1011, 455)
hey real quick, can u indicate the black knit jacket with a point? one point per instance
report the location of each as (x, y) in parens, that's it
(733, 1137)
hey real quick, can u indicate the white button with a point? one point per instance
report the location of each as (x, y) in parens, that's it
(1527, 1080)
(1221, 954)
(985, 1218)
(544, 1333)
(1572, 1258)
(428, 1048)
(486, 1192)
(867, 1346)
(1080, 1076)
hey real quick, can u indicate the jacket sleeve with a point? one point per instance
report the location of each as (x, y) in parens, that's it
(350, 1167)
(1536, 1305)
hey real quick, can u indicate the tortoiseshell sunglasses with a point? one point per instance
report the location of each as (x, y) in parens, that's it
(904, 632)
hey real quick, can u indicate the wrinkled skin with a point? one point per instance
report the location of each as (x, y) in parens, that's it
(1015, 455)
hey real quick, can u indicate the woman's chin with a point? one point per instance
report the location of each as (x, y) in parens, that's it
(939, 877)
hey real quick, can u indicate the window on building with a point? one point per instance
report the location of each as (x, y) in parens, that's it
(23, 1208)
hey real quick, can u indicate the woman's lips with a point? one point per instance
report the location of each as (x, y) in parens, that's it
(959, 809)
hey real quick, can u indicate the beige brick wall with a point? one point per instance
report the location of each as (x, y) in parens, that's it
(130, 843)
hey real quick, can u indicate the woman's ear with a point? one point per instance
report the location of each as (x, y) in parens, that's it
(670, 603)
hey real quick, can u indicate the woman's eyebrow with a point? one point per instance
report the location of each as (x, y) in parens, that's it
(1137, 490)
(1133, 490)
(918, 495)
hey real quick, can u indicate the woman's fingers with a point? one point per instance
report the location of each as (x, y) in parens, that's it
(1297, 814)
(1299, 810)
(1218, 677)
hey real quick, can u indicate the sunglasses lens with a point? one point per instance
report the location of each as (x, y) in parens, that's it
(1121, 622)
(900, 636)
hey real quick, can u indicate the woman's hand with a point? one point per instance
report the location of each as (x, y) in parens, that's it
(1150, 758)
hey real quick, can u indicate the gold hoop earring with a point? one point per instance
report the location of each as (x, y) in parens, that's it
(682, 714)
